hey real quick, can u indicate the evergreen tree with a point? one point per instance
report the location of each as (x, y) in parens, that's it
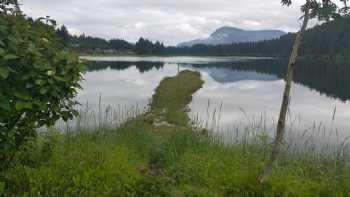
(119, 44)
(63, 33)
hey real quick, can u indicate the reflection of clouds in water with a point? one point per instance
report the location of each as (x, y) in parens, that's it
(254, 98)
(122, 87)
(242, 93)
(172, 59)
(249, 85)
(140, 82)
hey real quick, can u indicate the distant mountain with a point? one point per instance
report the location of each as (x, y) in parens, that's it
(229, 35)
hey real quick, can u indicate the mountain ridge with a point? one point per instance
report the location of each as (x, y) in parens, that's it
(229, 35)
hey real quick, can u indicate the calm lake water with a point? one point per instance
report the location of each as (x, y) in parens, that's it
(237, 91)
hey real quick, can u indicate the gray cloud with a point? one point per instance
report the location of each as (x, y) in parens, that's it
(170, 21)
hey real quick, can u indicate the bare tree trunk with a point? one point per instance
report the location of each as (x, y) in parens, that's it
(285, 103)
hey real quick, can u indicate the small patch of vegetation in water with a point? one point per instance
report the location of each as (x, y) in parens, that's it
(173, 94)
(142, 158)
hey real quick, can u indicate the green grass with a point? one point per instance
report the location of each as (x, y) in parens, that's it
(139, 159)
(173, 94)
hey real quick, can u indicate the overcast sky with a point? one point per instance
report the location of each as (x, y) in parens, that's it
(170, 21)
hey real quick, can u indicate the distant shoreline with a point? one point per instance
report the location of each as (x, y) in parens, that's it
(147, 57)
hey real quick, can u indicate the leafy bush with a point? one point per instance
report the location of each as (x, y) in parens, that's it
(38, 78)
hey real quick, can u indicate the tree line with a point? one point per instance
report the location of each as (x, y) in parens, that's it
(90, 44)
(328, 39)
(83, 43)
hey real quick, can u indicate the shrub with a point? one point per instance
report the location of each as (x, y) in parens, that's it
(38, 78)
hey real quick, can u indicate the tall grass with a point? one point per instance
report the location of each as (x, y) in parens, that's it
(137, 160)
(319, 141)
(97, 119)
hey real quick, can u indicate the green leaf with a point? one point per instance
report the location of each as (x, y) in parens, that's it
(3, 29)
(2, 187)
(23, 105)
(4, 72)
(21, 95)
(4, 104)
(39, 82)
(43, 90)
(10, 57)
(60, 78)
(20, 105)
(2, 51)
(53, 22)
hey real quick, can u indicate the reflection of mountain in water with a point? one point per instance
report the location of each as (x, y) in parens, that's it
(142, 66)
(229, 75)
(327, 77)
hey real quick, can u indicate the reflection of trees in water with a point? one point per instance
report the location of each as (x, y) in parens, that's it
(142, 66)
(327, 77)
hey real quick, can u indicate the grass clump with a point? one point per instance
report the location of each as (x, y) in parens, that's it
(140, 159)
(173, 94)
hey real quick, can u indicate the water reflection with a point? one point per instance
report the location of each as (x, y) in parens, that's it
(172, 59)
(142, 66)
(122, 83)
(243, 89)
(230, 75)
(251, 92)
(251, 99)
(327, 77)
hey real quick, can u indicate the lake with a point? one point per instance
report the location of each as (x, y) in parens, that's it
(238, 91)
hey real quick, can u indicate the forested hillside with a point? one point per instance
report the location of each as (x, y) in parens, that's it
(90, 44)
(329, 39)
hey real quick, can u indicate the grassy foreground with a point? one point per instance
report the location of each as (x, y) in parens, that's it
(158, 154)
